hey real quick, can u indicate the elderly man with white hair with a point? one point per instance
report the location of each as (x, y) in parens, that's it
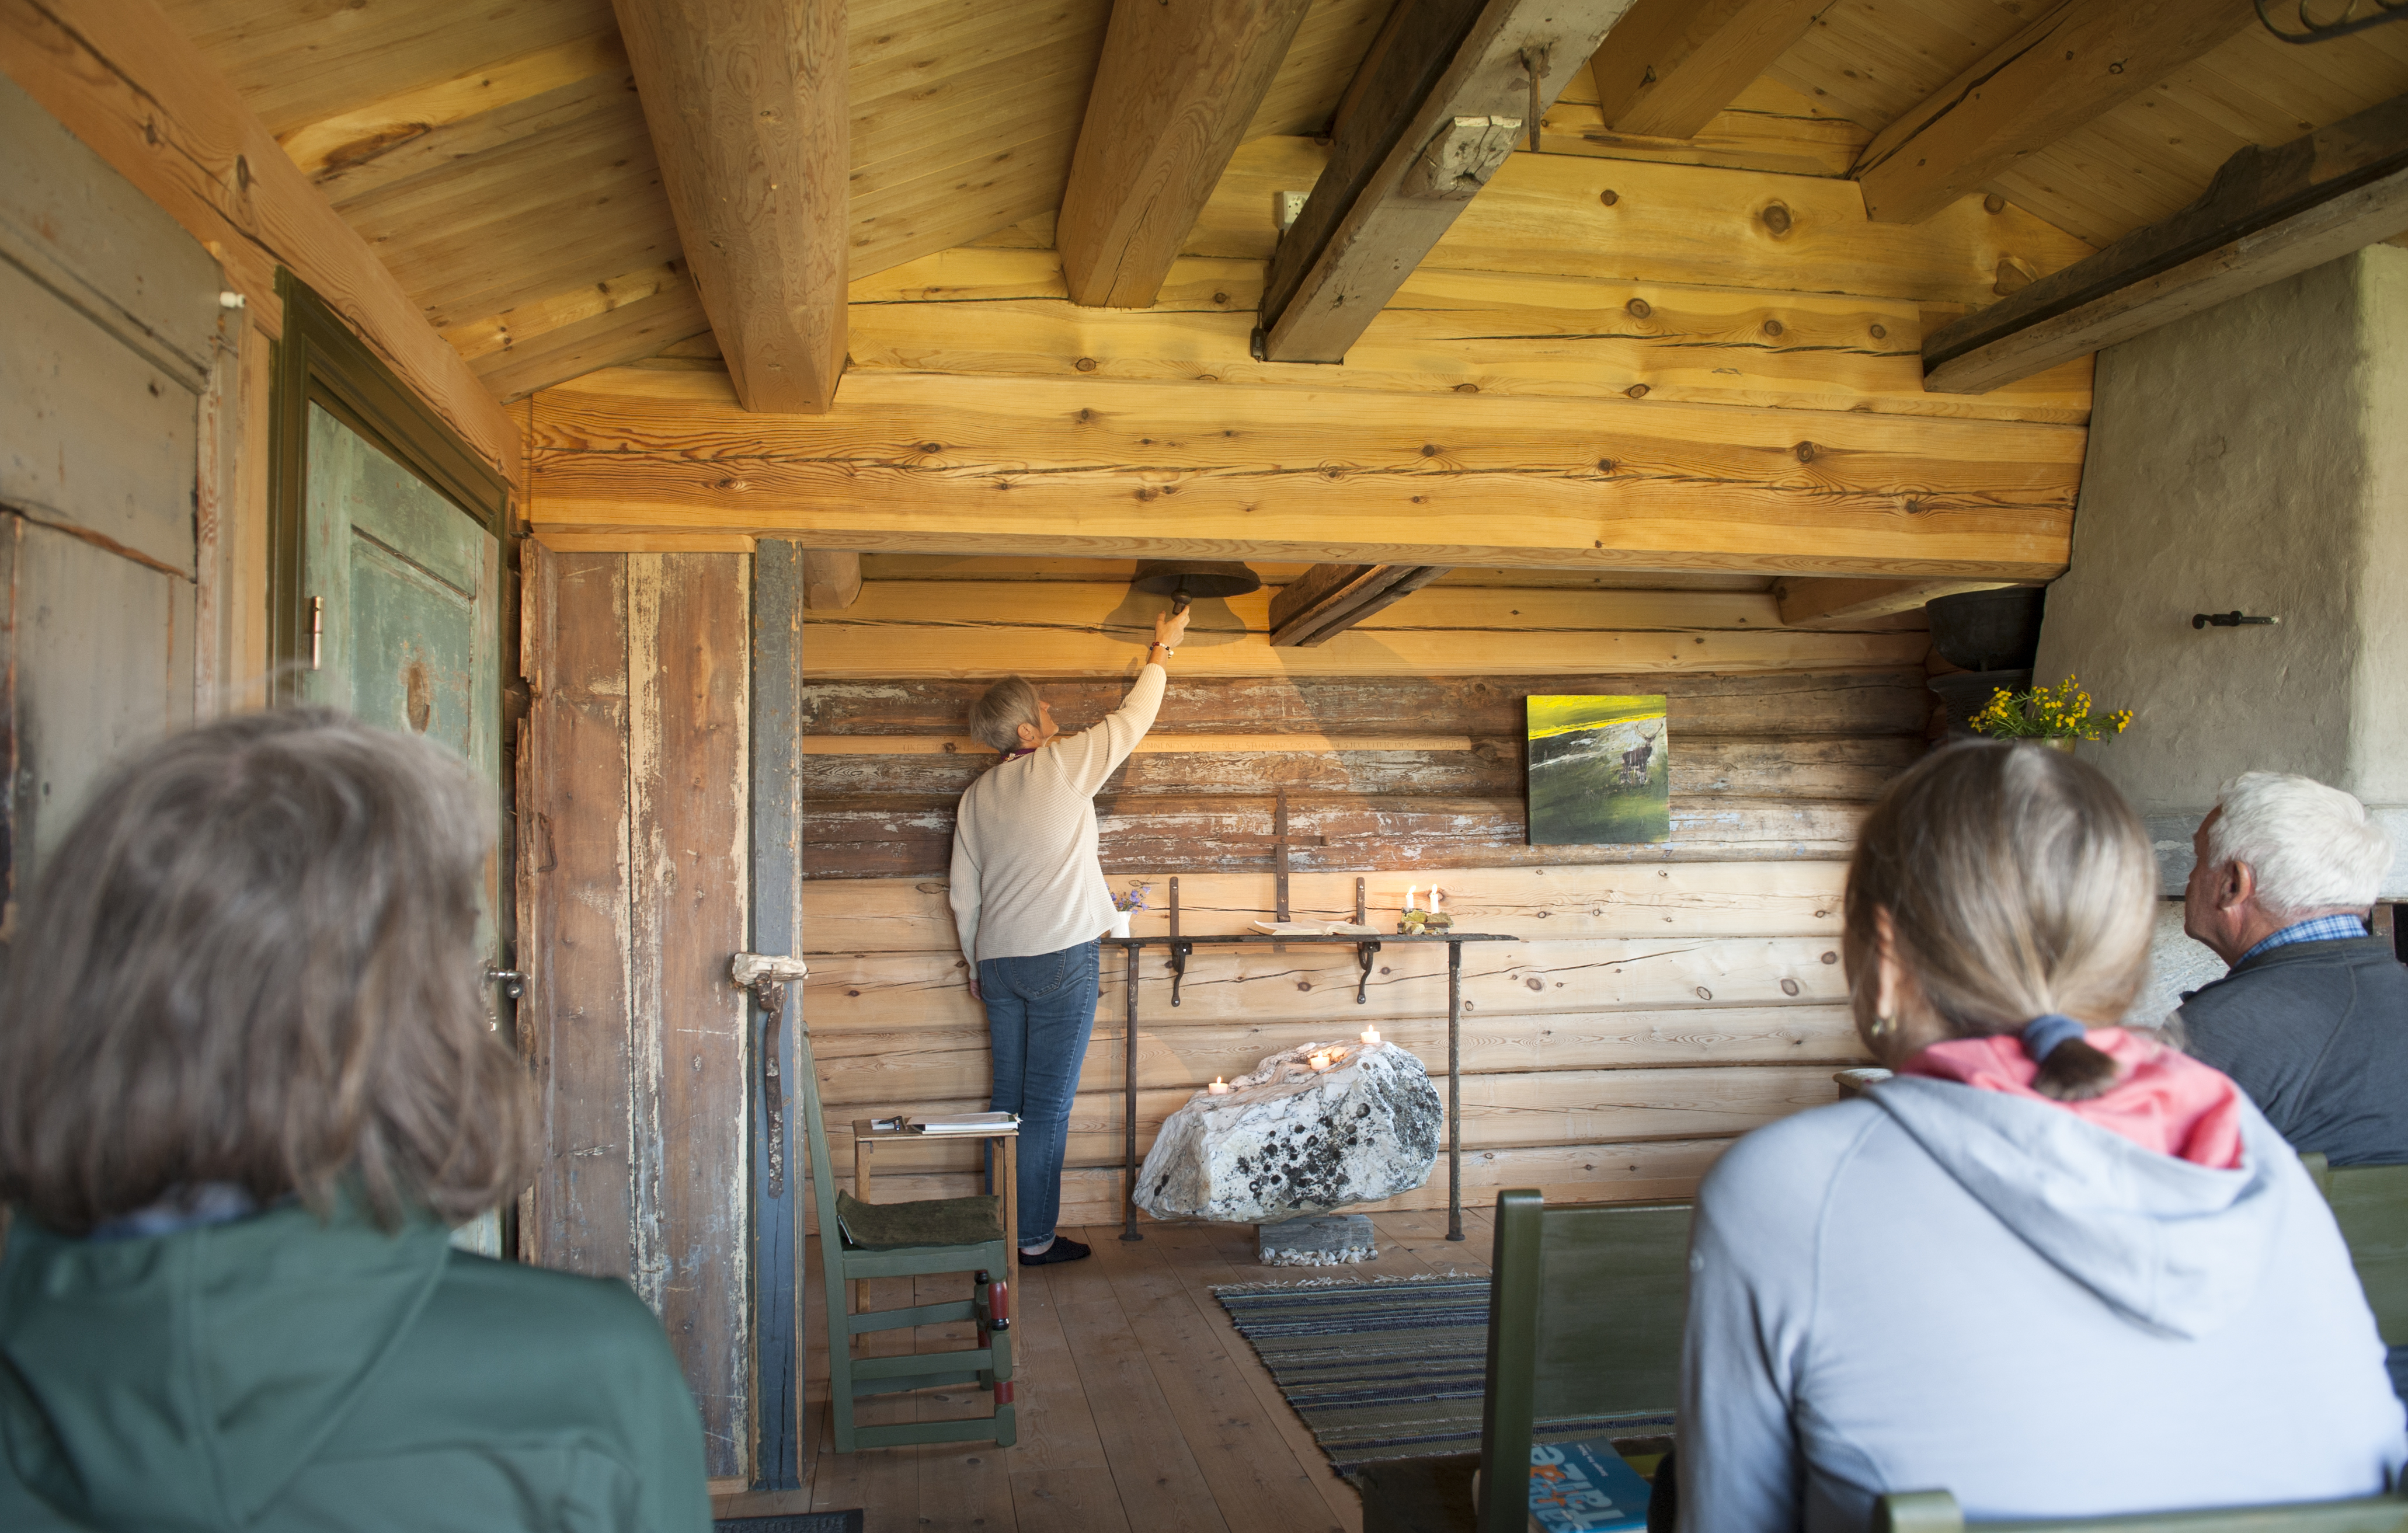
(2312, 1021)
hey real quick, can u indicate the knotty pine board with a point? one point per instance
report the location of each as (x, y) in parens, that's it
(1893, 701)
(982, 310)
(941, 462)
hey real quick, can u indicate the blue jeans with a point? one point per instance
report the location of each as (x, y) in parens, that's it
(1040, 1011)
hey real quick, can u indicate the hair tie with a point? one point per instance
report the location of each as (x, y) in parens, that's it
(2043, 1034)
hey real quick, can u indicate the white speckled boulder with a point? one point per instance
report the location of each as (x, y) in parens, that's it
(1289, 1139)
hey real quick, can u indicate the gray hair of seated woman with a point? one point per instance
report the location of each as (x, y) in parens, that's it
(253, 961)
(2020, 883)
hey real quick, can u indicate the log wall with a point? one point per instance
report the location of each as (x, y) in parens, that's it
(1662, 1000)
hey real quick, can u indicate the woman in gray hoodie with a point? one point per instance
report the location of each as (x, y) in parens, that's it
(2053, 1265)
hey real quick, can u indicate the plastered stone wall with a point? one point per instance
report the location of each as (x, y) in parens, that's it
(2253, 457)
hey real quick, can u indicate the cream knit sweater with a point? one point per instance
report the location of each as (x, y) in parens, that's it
(1026, 876)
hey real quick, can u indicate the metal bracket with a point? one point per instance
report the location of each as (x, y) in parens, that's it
(1179, 951)
(1363, 952)
(513, 982)
(770, 997)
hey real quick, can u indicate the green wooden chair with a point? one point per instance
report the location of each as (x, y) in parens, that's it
(1936, 1511)
(2370, 1203)
(1585, 1310)
(860, 1240)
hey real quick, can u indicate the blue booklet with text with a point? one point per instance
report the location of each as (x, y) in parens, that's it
(1585, 1487)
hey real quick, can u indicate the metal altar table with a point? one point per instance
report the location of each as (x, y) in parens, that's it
(1181, 947)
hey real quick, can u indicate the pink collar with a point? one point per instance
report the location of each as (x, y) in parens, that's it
(2165, 1101)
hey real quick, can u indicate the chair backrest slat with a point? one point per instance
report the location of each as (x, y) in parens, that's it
(1586, 1306)
(2371, 1205)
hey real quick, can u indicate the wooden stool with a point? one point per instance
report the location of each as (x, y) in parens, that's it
(866, 1137)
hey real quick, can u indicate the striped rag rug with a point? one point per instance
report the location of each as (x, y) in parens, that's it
(1390, 1368)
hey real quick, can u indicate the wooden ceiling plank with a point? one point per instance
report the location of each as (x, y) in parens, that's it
(1328, 599)
(2077, 62)
(361, 133)
(438, 152)
(1669, 66)
(607, 339)
(1173, 94)
(127, 83)
(1807, 602)
(746, 103)
(1438, 111)
(2269, 214)
(1767, 126)
(1327, 52)
(521, 322)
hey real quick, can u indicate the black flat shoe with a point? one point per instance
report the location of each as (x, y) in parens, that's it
(1064, 1249)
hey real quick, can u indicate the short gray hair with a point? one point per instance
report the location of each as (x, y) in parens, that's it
(2311, 848)
(253, 961)
(995, 718)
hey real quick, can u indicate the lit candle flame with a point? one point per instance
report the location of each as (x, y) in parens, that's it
(1370, 1035)
(1219, 1087)
(1410, 890)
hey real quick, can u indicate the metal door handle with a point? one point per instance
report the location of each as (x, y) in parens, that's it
(512, 981)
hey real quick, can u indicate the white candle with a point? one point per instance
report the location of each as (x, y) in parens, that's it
(1219, 1087)
(1438, 898)
(1409, 890)
(1370, 1035)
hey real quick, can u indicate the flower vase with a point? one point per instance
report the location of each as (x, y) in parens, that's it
(1120, 924)
(2062, 742)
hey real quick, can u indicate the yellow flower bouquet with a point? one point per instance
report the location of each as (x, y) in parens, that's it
(2062, 712)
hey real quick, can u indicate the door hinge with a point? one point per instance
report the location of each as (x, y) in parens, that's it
(317, 629)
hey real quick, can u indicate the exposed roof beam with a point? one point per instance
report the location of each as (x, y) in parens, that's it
(747, 106)
(1328, 599)
(1807, 602)
(1669, 65)
(2269, 214)
(2076, 63)
(1173, 94)
(1442, 99)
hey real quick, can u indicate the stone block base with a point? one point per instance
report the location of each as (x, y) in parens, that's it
(1321, 1240)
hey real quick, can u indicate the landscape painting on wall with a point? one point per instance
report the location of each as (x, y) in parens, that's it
(1600, 772)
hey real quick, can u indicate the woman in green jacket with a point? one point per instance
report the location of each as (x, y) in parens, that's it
(247, 1085)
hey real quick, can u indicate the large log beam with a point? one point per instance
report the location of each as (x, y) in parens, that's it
(746, 102)
(1173, 94)
(939, 463)
(2269, 214)
(1328, 599)
(1669, 65)
(2076, 63)
(126, 82)
(1440, 101)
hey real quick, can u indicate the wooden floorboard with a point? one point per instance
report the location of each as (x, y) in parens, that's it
(1139, 1405)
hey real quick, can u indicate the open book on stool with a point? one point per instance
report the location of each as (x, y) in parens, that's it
(959, 1122)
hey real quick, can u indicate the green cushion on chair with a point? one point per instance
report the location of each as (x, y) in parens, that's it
(929, 1221)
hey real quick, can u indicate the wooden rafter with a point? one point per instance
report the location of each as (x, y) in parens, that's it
(1669, 65)
(1174, 91)
(2073, 64)
(2269, 213)
(1806, 602)
(1328, 599)
(1439, 102)
(746, 101)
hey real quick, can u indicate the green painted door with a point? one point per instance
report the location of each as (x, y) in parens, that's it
(400, 585)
